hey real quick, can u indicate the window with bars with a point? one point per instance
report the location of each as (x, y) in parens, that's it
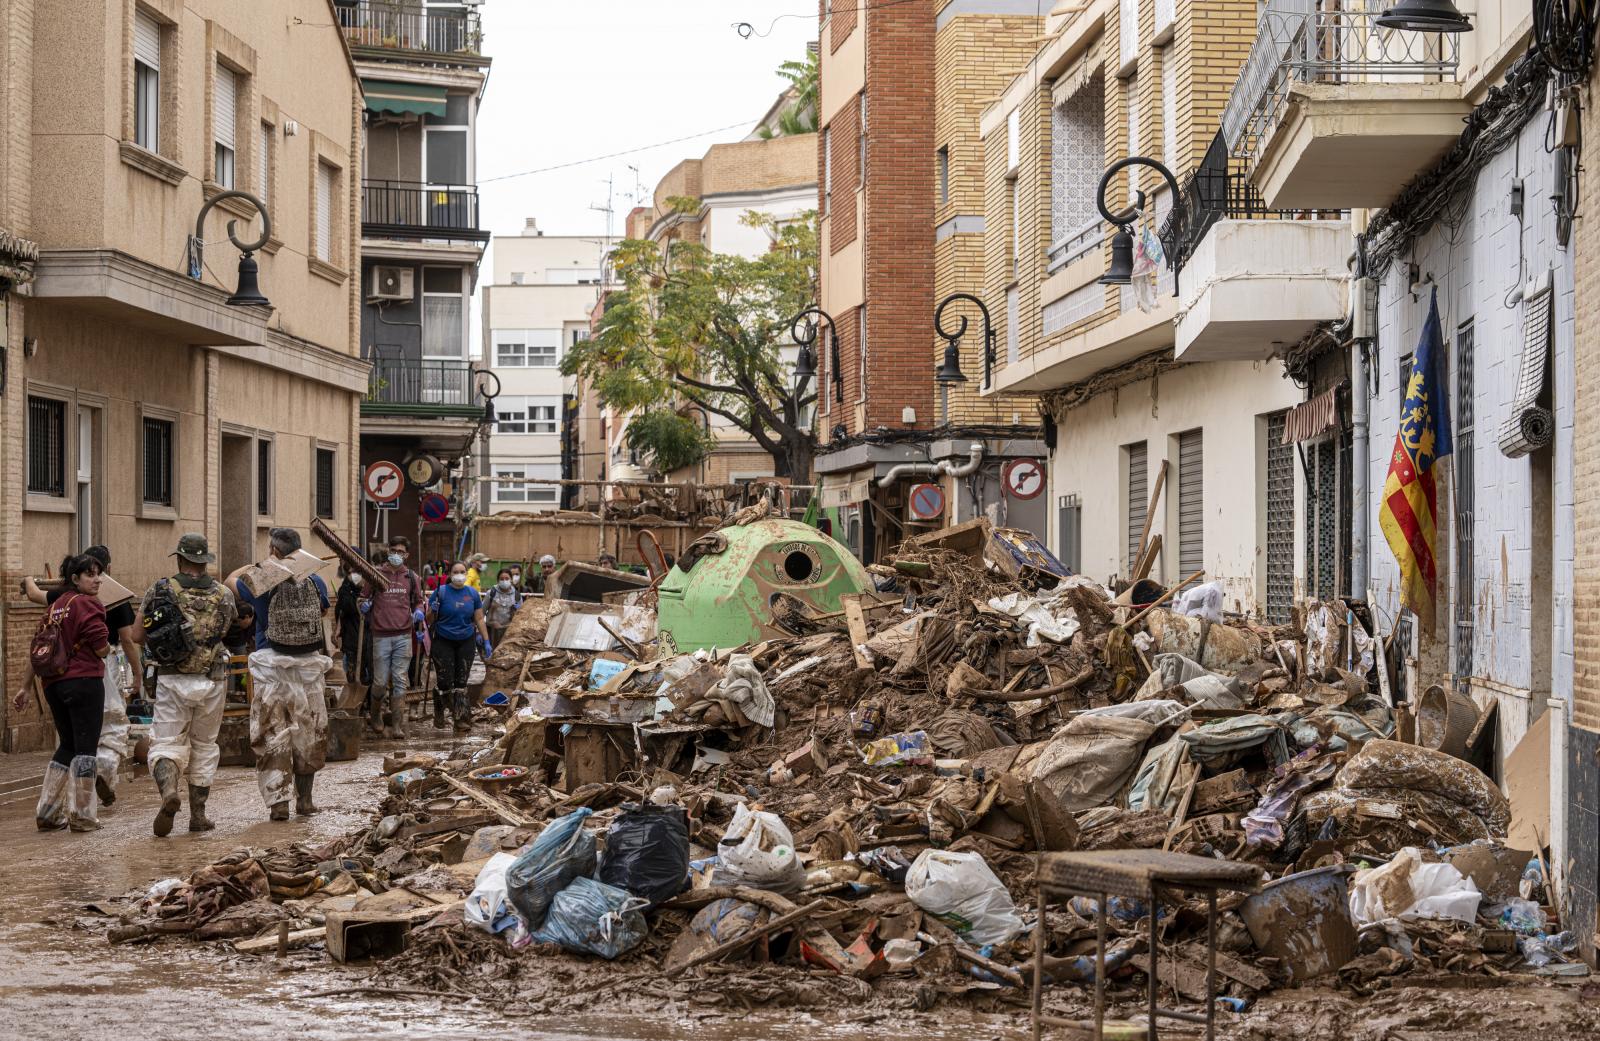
(157, 468)
(1280, 522)
(263, 477)
(324, 483)
(1466, 500)
(1136, 461)
(47, 446)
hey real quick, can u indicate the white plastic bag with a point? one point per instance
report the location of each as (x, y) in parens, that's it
(961, 891)
(1416, 889)
(1204, 602)
(758, 850)
(489, 908)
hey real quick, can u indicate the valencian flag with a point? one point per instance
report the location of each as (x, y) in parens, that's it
(1410, 494)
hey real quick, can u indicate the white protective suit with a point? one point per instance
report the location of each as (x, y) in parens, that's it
(113, 748)
(188, 719)
(288, 719)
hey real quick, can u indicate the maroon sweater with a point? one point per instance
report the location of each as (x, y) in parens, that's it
(392, 606)
(86, 635)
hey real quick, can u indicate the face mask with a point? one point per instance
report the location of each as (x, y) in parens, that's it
(458, 580)
(396, 559)
(505, 586)
(355, 578)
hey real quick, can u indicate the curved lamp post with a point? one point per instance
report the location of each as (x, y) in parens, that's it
(249, 291)
(804, 332)
(949, 372)
(1121, 271)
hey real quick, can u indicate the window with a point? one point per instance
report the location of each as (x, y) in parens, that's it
(1279, 521)
(444, 143)
(1077, 159)
(224, 123)
(1169, 108)
(157, 468)
(527, 348)
(827, 168)
(536, 494)
(263, 477)
(324, 483)
(511, 354)
(1130, 89)
(1014, 198)
(47, 446)
(442, 311)
(1069, 532)
(942, 157)
(1128, 32)
(1013, 139)
(517, 277)
(523, 415)
(146, 82)
(1135, 458)
(327, 178)
(861, 139)
(264, 163)
(1013, 325)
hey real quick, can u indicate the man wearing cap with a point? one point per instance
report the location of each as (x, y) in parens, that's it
(475, 567)
(288, 710)
(189, 685)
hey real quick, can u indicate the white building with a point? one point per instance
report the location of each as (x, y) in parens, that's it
(538, 306)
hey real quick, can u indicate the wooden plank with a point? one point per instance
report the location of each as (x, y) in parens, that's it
(1150, 510)
(503, 810)
(1148, 560)
(745, 939)
(302, 937)
(857, 623)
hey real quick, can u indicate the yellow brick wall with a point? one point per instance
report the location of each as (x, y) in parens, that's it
(975, 56)
(1586, 447)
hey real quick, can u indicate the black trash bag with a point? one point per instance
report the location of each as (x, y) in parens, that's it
(647, 852)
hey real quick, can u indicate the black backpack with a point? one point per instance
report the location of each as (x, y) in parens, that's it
(169, 634)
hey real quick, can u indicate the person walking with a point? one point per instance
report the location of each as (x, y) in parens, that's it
(500, 604)
(476, 564)
(122, 674)
(457, 614)
(547, 569)
(182, 623)
(351, 638)
(288, 707)
(68, 655)
(391, 612)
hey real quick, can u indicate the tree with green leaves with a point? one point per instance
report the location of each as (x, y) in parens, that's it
(693, 329)
(799, 113)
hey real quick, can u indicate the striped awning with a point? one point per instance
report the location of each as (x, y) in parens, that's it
(1312, 419)
(388, 96)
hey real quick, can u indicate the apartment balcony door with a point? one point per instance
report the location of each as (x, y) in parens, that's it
(89, 484)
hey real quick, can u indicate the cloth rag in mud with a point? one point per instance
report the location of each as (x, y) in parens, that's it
(1090, 760)
(1049, 620)
(758, 851)
(1407, 887)
(1264, 825)
(743, 686)
(961, 891)
(1202, 601)
(1215, 745)
(1200, 686)
(564, 850)
(212, 890)
(589, 917)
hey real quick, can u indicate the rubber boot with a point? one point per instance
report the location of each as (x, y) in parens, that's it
(103, 789)
(198, 821)
(166, 774)
(461, 711)
(280, 811)
(82, 809)
(375, 700)
(438, 709)
(51, 813)
(397, 717)
(302, 794)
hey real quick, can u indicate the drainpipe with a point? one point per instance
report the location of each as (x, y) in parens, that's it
(943, 467)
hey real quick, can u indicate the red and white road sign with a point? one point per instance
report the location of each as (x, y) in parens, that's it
(1023, 478)
(927, 501)
(383, 481)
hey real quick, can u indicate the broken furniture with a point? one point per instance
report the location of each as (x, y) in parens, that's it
(1135, 874)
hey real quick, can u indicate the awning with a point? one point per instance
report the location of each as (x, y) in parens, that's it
(388, 96)
(1311, 419)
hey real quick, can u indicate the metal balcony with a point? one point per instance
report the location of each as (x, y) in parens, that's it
(398, 25)
(1330, 110)
(408, 210)
(420, 384)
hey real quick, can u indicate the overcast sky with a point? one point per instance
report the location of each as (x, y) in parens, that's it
(574, 79)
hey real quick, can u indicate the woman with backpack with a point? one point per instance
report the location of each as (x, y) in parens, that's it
(68, 655)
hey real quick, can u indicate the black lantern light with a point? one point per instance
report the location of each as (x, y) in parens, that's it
(949, 370)
(1424, 16)
(249, 292)
(1120, 273)
(803, 330)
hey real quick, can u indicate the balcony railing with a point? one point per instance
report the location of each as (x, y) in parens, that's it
(406, 209)
(420, 381)
(1298, 42)
(410, 26)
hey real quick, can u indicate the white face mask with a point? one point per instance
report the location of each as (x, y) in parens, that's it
(458, 580)
(505, 586)
(395, 559)
(355, 577)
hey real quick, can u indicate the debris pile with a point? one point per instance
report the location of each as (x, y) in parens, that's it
(856, 808)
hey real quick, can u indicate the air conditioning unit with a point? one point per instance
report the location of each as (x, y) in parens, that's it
(392, 283)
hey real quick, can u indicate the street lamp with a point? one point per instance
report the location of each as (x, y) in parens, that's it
(1424, 16)
(804, 332)
(1120, 273)
(949, 372)
(249, 291)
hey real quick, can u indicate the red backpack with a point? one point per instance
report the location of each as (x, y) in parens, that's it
(49, 653)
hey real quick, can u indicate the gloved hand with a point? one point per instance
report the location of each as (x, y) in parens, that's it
(488, 650)
(364, 605)
(417, 615)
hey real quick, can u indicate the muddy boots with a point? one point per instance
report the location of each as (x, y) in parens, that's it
(439, 697)
(460, 711)
(103, 789)
(51, 813)
(397, 717)
(302, 794)
(166, 774)
(375, 703)
(198, 821)
(82, 809)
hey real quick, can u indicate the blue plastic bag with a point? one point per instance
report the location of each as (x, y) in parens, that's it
(589, 917)
(561, 853)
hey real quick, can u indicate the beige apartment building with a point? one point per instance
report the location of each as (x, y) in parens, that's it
(139, 401)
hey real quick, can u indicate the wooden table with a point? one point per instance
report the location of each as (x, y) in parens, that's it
(1139, 874)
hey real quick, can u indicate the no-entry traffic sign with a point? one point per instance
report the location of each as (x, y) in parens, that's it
(1023, 478)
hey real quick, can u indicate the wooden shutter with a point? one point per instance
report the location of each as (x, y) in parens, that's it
(1191, 504)
(1138, 497)
(324, 244)
(146, 40)
(264, 163)
(225, 107)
